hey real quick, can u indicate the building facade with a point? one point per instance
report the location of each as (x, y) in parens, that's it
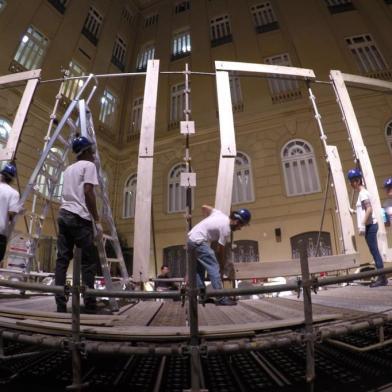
(280, 172)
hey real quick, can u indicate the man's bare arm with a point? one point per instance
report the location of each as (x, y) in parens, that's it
(91, 201)
(206, 210)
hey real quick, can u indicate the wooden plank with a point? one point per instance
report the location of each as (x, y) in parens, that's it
(241, 314)
(265, 69)
(142, 313)
(9, 150)
(171, 313)
(210, 314)
(269, 310)
(142, 240)
(98, 322)
(228, 150)
(293, 268)
(342, 200)
(154, 333)
(20, 76)
(366, 82)
(54, 315)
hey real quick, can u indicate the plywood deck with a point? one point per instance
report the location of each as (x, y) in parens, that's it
(167, 320)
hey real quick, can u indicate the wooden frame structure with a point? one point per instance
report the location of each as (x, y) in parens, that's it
(228, 147)
(340, 82)
(32, 78)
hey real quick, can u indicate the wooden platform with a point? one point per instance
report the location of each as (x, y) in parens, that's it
(167, 320)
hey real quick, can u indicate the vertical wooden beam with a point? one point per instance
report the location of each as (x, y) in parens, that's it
(142, 237)
(361, 153)
(342, 200)
(228, 151)
(9, 151)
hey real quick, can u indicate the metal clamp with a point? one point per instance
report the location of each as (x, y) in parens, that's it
(203, 296)
(183, 293)
(67, 290)
(203, 350)
(315, 285)
(299, 285)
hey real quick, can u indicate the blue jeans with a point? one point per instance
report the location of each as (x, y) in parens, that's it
(371, 240)
(3, 246)
(206, 261)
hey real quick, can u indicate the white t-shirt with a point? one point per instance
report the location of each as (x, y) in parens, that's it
(75, 176)
(388, 208)
(364, 195)
(9, 198)
(216, 227)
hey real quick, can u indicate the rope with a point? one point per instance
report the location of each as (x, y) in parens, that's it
(323, 214)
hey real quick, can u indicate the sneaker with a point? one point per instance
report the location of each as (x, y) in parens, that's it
(380, 282)
(61, 308)
(225, 302)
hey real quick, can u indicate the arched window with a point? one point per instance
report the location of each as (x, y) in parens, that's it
(44, 182)
(5, 129)
(130, 197)
(388, 135)
(242, 181)
(176, 193)
(310, 240)
(299, 168)
(244, 251)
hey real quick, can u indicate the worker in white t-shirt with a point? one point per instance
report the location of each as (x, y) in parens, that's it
(367, 222)
(217, 226)
(9, 199)
(78, 208)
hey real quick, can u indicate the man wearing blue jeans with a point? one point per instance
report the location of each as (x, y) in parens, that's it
(215, 227)
(367, 222)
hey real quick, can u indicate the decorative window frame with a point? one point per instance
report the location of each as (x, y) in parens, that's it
(128, 212)
(296, 186)
(236, 189)
(173, 179)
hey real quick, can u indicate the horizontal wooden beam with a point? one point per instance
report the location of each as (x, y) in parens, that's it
(293, 268)
(20, 76)
(267, 69)
(366, 82)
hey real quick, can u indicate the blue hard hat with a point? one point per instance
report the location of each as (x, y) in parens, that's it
(80, 144)
(9, 170)
(388, 183)
(354, 173)
(243, 215)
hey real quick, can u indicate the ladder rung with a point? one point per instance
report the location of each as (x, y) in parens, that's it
(35, 215)
(20, 253)
(71, 124)
(114, 260)
(54, 162)
(63, 141)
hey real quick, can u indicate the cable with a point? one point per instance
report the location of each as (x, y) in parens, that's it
(323, 214)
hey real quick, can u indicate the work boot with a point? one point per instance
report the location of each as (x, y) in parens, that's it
(90, 308)
(225, 301)
(61, 308)
(381, 281)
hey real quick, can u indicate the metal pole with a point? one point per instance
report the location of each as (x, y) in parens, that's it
(309, 333)
(75, 341)
(194, 349)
